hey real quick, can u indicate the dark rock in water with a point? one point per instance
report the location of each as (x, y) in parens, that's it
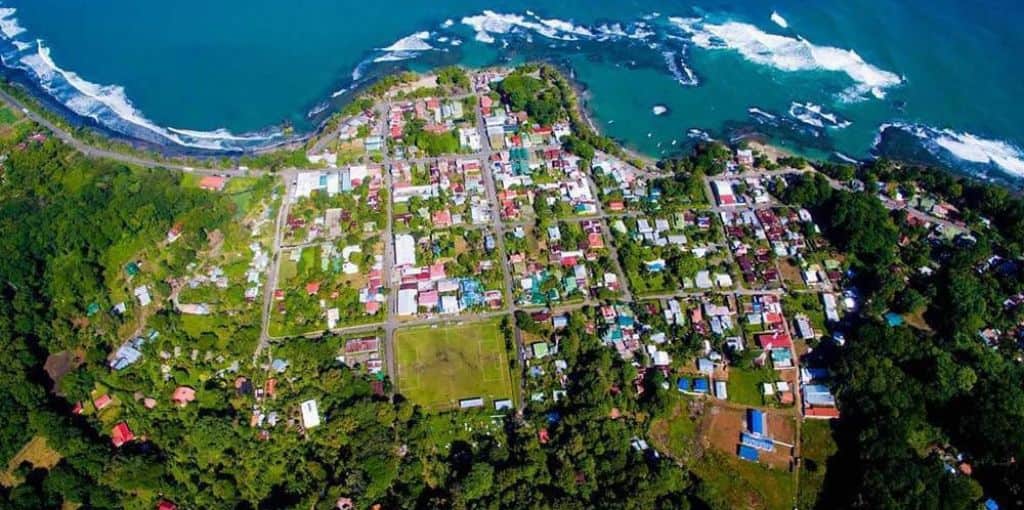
(900, 105)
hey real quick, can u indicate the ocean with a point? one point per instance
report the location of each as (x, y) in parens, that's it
(937, 80)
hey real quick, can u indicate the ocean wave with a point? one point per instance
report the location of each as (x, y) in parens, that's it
(414, 42)
(965, 147)
(110, 106)
(680, 71)
(9, 26)
(779, 20)
(789, 54)
(757, 112)
(814, 115)
(489, 23)
(395, 57)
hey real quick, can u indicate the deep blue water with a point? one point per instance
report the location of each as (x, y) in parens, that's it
(823, 77)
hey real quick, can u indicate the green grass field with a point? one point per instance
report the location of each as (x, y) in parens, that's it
(7, 117)
(745, 385)
(439, 366)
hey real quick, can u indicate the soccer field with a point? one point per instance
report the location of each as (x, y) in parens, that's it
(439, 366)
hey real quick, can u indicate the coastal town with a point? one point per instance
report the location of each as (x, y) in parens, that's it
(445, 243)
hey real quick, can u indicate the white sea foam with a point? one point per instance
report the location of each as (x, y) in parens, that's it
(456, 42)
(448, 23)
(697, 134)
(394, 57)
(110, 106)
(967, 147)
(489, 23)
(845, 158)
(659, 109)
(9, 26)
(789, 54)
(779, 20)
(680, 71)
(414, 42)
(814, 115)
(760, 113)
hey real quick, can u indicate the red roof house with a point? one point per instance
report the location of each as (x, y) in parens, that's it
(102, 401)
(776, 340)
(121, 434)
(212, 183)
(312, 288)
(183, 395)
(166, 505)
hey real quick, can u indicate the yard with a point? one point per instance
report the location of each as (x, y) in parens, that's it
(745, 385)
(438, 366)
(816, 447)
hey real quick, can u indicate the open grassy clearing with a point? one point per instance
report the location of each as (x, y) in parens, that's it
(37, 453)
(438, 366)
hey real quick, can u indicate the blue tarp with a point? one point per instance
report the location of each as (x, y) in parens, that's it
(894, 319)
(748, 453)
(757, 442)
(700, 385)
(755, 419)
(991, 504)
(683, 384)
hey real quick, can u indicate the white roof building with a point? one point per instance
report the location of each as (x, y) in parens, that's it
(407, 302)
(142, 293)
(310, 414)
(405, 250)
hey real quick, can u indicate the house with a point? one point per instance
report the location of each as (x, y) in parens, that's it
(310, 414)
(142, 294)
(183, 395)
(407, 302)
(745, 157)
(724, 193)
(405, 250)
(212, 183)
(313, 288)
(175, 232)
(102, 402)
(166, 505)
(470, 403)
(721, 390)
(501, 405)
(774, 340)
(540, 349)
(121, 434)
(469, 138)
(803, 328)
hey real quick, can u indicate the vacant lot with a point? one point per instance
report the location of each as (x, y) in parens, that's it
(438, 366)
(37, 453)
(817, 446)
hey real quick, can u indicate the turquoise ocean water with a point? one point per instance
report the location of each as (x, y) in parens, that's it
(837, 78)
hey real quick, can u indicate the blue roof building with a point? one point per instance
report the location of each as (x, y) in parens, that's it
(700, 385)
(683, 384)
(759, 443)
(748, 453)
(756, 422)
